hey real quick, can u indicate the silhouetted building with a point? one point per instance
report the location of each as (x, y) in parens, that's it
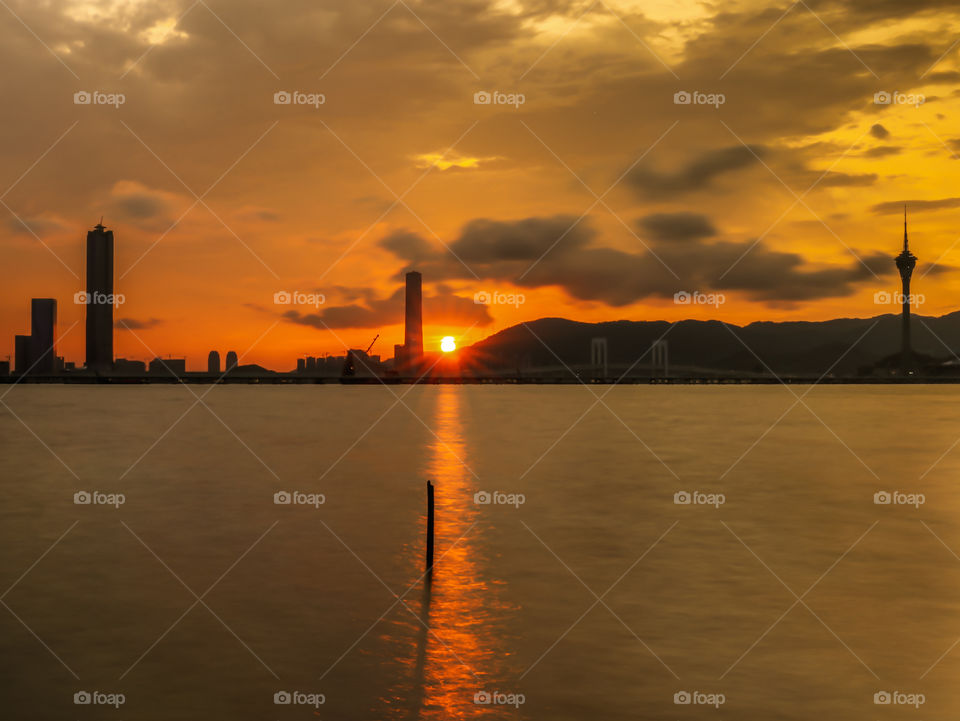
(598, 356)
(231, 360)
(123, 366)
(4, 368)
(301, 365)
(659, 359)
(99, 299)
(311, 364)
(168, 366)
(43, 330)
(413, 318)
(213, 362)
(21, 353)
(906, 262)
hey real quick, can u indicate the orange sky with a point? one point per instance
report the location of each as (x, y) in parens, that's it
(597, 198)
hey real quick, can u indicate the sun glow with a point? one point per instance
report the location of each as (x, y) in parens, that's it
(448, 344)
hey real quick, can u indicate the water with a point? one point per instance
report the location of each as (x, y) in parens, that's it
(693, 598)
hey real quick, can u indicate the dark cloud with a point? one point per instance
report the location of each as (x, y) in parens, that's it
(697, 174)
(879, 132)
(896, 206)
(134, 324)
(665, 227)
(882, 151)
(442, 308)
(560, 252)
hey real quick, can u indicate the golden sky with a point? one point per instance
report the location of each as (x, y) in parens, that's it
(584, 189)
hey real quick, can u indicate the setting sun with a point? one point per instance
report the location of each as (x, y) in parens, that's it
(448, 344)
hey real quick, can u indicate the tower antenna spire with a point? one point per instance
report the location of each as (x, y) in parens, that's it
(905, 241)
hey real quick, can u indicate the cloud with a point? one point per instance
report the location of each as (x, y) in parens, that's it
(134, 324)
(561, 252)
(665, 227)
(879, 132)
(896, 206)
(133, 202)
(697, 174)
(442, 308)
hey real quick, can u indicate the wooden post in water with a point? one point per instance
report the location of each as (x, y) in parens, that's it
(429, 526)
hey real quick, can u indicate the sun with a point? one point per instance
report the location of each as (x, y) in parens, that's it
(448, 344)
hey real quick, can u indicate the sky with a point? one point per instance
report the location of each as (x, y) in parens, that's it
(531, 158)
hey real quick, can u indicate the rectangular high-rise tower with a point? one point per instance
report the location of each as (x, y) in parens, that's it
(413, 323)
(43, 331)
(99, 299)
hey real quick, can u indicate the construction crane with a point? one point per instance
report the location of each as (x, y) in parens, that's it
(367, 351)
(349, 366)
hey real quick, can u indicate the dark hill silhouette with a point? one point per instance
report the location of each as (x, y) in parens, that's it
(787, 348)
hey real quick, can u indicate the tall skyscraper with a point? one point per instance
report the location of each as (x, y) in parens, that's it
(43, 332)
(100, 299)
(413, 323)
(906, 262)
(232, 360)
(21, 353)
(213, 363)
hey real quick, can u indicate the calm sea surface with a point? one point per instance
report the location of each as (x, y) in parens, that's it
(582, 592)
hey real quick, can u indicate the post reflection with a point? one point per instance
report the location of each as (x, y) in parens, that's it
(458, 650)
